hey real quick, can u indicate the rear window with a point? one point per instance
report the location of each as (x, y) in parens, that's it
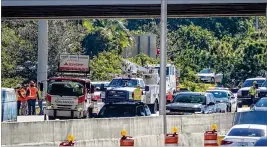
(262, 103)
(200, 99)
(249, 132)
(118, 111)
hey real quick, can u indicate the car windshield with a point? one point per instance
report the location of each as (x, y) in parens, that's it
(218, 94)
(262, 103)
(249, 132)
(117, 111)
(205, 71)
(264, 84)
(200, 99)
(65, 88)
(123, 83)
(249, 83)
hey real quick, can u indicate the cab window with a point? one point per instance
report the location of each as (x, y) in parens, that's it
(142, 84)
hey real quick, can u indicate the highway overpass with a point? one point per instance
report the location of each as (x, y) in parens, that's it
(37, 9)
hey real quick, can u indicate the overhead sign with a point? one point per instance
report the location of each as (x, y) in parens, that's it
(73, 62)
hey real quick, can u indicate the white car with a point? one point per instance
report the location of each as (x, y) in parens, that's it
(208, 75)
(244, 135)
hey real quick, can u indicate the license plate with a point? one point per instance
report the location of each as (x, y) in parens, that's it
(244, 106)
(242, 144)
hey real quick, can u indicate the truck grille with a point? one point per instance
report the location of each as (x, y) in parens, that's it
(117, 94)
(245, 93)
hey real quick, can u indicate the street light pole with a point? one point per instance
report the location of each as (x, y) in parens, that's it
(163, 53)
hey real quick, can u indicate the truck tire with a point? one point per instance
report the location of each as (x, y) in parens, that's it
(154, 107)
(51, 118)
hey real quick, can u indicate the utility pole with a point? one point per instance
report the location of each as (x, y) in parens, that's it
(163, 58)
(42, 52)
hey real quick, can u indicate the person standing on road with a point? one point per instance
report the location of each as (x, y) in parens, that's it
(137, 93)
(32, 95)
(169, 97)
(19, 97)
(24, 103)
(252, 92)
(40, 99)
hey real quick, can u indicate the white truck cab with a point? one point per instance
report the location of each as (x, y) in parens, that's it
(68, 98)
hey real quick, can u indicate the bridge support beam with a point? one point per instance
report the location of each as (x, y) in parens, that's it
(163, 55)
(42, 51)
(266, 13)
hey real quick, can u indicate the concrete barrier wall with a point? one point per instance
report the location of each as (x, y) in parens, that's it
(106, 132)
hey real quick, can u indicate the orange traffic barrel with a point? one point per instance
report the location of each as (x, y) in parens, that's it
(127, 141)
(171, 139)
(210, 138)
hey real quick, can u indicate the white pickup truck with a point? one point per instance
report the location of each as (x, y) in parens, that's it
(121, 89)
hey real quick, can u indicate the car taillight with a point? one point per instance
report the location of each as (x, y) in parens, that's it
(81, 99)
(223, 142)
(48, 97)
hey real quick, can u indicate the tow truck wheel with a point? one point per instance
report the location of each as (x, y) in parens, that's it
(51, 118)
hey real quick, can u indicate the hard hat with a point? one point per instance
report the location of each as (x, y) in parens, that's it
(18, 86)
(255, 82)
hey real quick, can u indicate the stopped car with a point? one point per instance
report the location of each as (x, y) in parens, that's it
(261, 105)
(244, 135)
(224, 96)
(243, 96)
(210, 76)
(192, 102)
(261, 142)
(124, 109)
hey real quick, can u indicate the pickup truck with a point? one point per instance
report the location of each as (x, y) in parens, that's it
(243, 96)
(121, 89)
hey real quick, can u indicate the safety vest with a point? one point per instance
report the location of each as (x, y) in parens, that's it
(33, 93)
(40, 94)
(169, 97)
(137, 94)
(252, 91)
(19, 98)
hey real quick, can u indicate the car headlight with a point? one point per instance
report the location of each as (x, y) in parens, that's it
(79, 107)
(239, 92)
(102, 95)
(130, 95)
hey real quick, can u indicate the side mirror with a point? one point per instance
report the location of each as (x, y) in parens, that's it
(42, 86)
(147, 88)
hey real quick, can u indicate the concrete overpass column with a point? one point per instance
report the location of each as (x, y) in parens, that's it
(163, 54)
(42, 51)
(266, 13)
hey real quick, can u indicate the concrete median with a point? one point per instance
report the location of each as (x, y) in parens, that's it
(106, 132)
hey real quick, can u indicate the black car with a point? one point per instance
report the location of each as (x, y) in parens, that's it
(261, 142)
(192, 102)
(124, 109)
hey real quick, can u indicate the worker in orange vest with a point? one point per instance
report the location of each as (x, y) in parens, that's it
(32, 95)
(24, 103)
(169, 97)
(19, 97)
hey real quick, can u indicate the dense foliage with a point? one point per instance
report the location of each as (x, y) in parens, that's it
(231, 46)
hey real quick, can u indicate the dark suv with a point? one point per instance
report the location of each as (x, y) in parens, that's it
(124, 109)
